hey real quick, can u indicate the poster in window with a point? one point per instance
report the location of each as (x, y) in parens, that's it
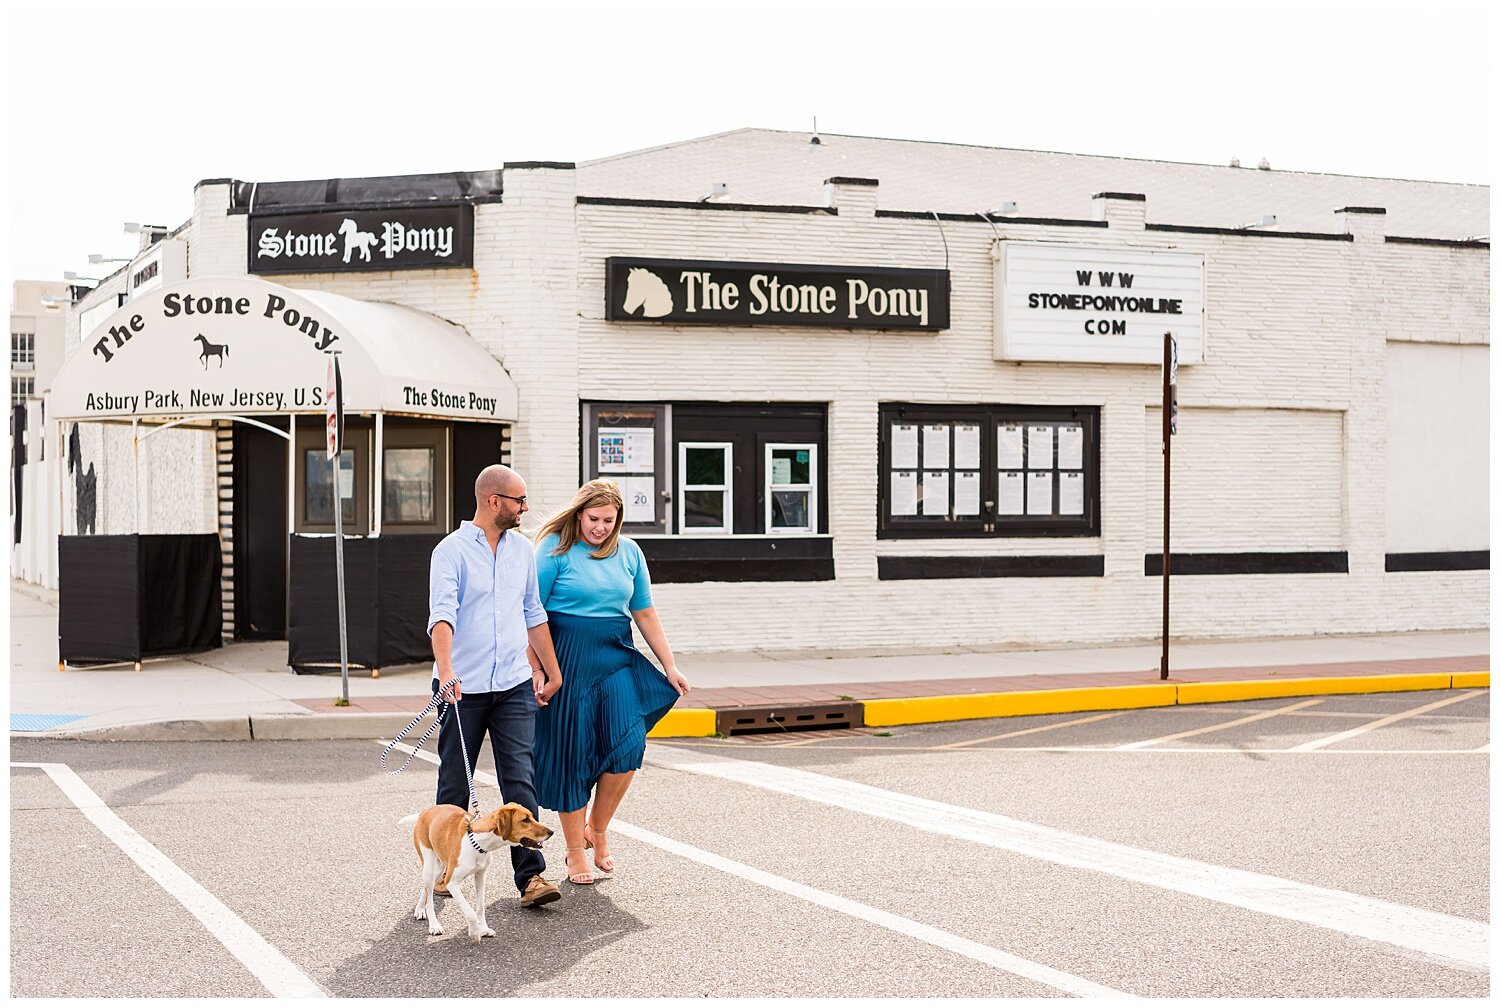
(1012, 493)
(1039, 449)
(904, 446)
(934, 446)
(903, 493)
(1070, 447)
(965, 494)
(1039, 493)
(781, 471)
(640, 498)
(935, 493)
(966, 446)
(1070, 493)
(1009, 445)
(627, 449)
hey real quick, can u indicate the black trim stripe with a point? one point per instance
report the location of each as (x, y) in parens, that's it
(1443, 560)
(848, 180)
(1472, 243)
(561, 165)
(695, 205)
(1137, 197)
(1361, 209)
(1250, 563)
(979, 218)
(911, 568)
(1249, 232)
(694, 559)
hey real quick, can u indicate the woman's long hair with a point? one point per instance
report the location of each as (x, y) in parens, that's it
(594, 493)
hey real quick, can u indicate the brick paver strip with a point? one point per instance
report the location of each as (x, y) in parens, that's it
(823, 693)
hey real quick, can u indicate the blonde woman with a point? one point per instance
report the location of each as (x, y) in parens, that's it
(592, 735)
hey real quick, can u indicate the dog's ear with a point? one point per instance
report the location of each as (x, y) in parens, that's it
(505, 820)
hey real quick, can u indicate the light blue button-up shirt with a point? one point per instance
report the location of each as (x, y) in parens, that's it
(490, 600)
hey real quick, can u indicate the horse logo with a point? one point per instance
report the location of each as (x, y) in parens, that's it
(355, 239)
(642, 287)
(219, 350)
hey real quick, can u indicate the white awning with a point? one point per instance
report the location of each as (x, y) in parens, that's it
(241, 346)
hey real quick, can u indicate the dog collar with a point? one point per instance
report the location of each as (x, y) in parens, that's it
(469, 834)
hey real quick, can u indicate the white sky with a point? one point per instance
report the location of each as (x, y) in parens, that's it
(118, 109)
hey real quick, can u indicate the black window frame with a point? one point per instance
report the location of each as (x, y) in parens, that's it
(989, 523)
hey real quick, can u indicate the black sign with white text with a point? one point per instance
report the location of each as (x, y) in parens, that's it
(362, 240)
(685, 292)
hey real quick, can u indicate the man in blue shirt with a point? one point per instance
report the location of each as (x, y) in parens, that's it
(483, 610)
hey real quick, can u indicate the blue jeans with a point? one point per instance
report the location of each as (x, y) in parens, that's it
(510, 718)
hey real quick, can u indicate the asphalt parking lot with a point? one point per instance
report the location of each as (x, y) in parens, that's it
(1320, 847)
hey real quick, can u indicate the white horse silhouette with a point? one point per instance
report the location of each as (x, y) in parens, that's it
(642, 287)
(354, 238)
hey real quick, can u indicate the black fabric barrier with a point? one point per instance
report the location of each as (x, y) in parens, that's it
(385, 585)
(128, 597)
(98, 599)
(181, 601)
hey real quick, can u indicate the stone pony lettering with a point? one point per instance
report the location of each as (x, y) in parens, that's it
(396, 237)
(176, 304)
(413, 396)
(768, 295)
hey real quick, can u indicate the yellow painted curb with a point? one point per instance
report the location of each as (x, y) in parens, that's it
(1464, 680)
(925, 710)
(691, 722)
(1259, 689)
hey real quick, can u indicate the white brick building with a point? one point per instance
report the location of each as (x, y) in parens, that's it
(1330, 471)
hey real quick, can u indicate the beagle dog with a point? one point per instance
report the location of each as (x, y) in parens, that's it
(452, 844)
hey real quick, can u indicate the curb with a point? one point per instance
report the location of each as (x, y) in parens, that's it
(701, 722)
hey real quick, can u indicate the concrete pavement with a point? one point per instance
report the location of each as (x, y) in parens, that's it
(245, 691)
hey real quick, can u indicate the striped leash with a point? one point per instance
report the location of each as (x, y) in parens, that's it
(439, 700)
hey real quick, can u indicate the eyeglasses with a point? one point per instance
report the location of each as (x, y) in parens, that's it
(518, 500)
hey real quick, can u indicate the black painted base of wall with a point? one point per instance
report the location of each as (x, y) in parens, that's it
(690, 559)
(1446, 560)
(1250, 563)
(899, 568)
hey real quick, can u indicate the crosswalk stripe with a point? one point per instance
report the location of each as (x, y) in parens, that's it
(1454, 941)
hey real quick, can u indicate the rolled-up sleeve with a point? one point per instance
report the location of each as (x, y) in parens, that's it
(442, 588)
(531, 601)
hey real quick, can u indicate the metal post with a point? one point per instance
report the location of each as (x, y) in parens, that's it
(338, 559)
(1166, 500)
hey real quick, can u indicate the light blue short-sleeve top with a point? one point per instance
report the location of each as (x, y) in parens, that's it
(577, 584)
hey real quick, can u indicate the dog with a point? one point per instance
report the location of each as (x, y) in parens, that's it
(453, 844)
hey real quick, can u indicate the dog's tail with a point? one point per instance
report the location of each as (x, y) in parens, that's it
(408, 821)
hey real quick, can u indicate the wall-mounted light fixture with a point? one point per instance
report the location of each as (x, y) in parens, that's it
(717, 190)
(131, 227)
(1006, 209)
(95, 259)
(1263, 221)
(74, 278)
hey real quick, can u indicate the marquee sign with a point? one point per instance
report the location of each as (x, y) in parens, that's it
(361, 240)
(689, 292)
(1059, 302)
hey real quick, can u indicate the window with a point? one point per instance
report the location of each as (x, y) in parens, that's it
(20, 388)
(989, 470)
(409, 487)
(22, 349)
(791, 487)
(317, 484)
(704, 469)
(705, 505)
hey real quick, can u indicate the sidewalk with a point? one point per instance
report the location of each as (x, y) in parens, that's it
(245, 690)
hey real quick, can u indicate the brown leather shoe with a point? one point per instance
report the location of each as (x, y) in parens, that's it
(539, 892)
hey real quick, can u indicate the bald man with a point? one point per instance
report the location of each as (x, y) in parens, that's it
(483, 610)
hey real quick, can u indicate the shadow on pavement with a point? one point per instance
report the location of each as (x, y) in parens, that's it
(530, 947)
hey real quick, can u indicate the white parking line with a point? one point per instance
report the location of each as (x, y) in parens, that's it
(1260, 716)
(945, 940)
(1453, 941)
(1381, 723)
(1032, 731)
(276, 972)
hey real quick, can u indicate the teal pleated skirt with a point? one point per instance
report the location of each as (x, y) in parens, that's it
(611, 697)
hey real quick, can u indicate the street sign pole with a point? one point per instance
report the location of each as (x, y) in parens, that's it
(334, 420)
(1168, 428)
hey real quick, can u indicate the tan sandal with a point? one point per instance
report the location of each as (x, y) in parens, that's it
(599, 862)
(584, 877)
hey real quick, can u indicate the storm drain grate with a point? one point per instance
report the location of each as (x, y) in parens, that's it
(809, 717)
